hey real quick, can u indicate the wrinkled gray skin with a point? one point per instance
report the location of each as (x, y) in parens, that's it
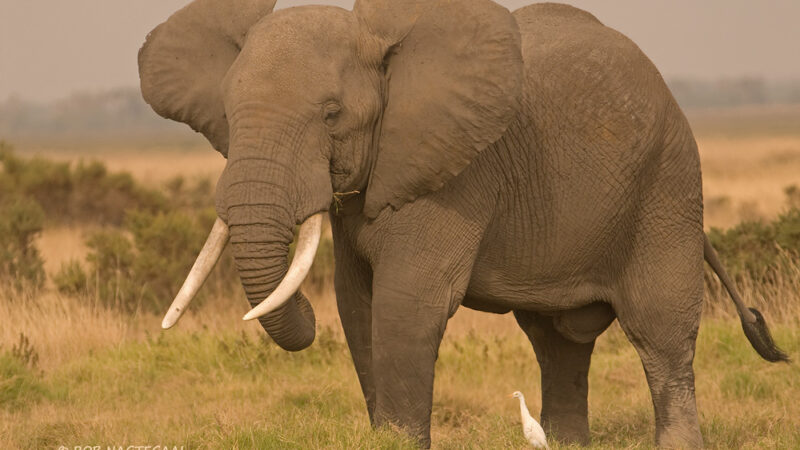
(533, 163)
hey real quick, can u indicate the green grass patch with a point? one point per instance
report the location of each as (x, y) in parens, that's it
(239, 391)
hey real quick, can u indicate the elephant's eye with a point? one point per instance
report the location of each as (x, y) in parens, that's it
(330, 113)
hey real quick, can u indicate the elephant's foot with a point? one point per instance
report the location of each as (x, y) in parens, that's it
(682, 435)
(566, 428)
(420, 432)
(676, 414)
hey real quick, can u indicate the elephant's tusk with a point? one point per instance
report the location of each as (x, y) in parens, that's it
(307, 243)
(206, 260)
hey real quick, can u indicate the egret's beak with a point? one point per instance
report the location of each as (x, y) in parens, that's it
(510, 395)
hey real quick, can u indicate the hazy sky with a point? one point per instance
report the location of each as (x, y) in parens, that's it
(50, 48)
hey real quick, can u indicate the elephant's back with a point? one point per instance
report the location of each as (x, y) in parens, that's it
(553, 13)
(589, 77)
(595, 104)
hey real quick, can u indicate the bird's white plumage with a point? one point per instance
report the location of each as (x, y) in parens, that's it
(530, 427)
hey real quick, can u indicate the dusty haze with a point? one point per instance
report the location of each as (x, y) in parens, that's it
(50, 49)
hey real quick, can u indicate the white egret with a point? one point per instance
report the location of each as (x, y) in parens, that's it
(530, 427)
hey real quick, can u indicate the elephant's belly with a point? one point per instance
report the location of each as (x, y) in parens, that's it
(575, 315)
(494, 290)
(479, 304)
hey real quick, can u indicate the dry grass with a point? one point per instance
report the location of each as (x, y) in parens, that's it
(744, 178)
(212, 382)
(62, 244)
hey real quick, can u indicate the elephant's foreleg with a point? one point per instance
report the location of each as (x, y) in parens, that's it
(410, 309)
(353, 282)
(565, 386)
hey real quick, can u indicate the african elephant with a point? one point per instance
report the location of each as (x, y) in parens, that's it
(532, 162)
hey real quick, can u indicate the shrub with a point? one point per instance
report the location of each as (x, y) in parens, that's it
(85, 194)
(101, 197)
(759, 249)
(21, 385)
(166, 247)
(143, 265)
(190, 196)
(20, 222)
(21, 382)
(71, 279)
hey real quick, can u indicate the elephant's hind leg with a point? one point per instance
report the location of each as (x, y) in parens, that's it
(565, 385)
(661, 318)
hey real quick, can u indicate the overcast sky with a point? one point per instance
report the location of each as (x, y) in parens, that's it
(51, 48)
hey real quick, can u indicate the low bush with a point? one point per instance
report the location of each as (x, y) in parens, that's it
(85, 193)
(21, 221)
(71, 279)
(141, 266)
(759, 249)
(190, 195)
(21, 383)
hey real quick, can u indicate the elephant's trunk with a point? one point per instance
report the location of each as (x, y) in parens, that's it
(260, 249)
(259, 198)
(266, 189)
(306, 250)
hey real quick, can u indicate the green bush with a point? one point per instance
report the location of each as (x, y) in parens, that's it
(143, 265)
(20, 380)
(759, 249)
(166, 247)
(86, 193)
(71, 279)
(194, 195)
(111, 274)
(101, 197)
(20, 222)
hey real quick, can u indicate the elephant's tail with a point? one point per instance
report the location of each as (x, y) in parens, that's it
(755, 328)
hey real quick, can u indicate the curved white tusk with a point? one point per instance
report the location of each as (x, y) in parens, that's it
(206, 260)
(307, 243)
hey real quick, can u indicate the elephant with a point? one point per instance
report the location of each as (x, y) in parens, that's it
(532, 162)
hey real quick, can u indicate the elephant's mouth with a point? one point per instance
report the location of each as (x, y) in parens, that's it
(307, 243)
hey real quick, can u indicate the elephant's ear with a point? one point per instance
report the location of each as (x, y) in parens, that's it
(454, 70)
(183, 61)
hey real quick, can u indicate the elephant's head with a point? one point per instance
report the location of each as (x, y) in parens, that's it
(392, 99)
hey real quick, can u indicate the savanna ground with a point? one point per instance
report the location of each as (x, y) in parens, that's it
(75, 370)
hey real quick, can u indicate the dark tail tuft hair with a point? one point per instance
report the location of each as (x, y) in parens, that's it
(758, 335)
